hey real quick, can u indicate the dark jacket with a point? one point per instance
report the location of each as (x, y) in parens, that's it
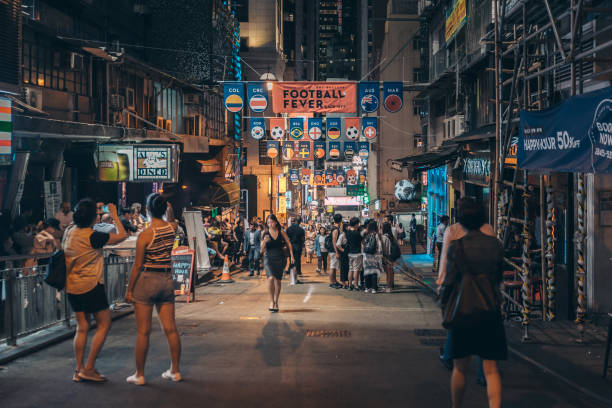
(247, 240)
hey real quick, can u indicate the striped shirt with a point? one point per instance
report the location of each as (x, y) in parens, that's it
(157, 253)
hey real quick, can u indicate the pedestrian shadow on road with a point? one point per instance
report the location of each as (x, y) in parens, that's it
(278, 338)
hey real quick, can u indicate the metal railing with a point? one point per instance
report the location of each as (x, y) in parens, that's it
(28, 305)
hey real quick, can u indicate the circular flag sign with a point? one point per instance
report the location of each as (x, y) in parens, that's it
(257, 132)
(272, 152)
(297, 133)
(334, 153)
(369, 132)
(352, 133)
(369, 103)
(320, 153)
(333, 133)
(340, 178)
(314, 133)
(393, 103)
(258, 103)
(233, 103)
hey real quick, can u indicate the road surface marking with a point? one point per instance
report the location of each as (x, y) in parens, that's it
(309, 294)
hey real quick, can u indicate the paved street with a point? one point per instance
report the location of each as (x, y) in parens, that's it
(235, 353)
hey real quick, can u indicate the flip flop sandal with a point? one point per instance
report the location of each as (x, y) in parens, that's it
(76, 377)
(99, 378)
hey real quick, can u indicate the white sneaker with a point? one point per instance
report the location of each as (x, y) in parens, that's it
(372, 291)
(134, 379)
(173, 377)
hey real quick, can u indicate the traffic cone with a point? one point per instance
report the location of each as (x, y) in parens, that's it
(225, 276)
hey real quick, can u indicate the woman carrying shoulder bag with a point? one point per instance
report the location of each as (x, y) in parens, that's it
(274, 259)
(85, 283)
(471, 303)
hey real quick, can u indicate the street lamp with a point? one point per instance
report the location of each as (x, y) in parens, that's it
(269, 77)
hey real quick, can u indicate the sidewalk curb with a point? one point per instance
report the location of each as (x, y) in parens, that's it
(559, 377)
(61, 335)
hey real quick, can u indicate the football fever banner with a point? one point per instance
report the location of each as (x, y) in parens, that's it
(321, 97)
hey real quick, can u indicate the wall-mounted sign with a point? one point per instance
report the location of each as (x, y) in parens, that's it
(455, 19)
(395, 165)
(477, 169)
(355, 190)
(288, 196)
(341, 201)
(6, 126)
(137, 163)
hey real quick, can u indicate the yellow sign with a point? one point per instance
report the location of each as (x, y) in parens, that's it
(282, 184)
(282, 205)
(455, 19)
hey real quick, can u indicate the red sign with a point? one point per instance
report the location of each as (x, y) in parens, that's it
(322, 97)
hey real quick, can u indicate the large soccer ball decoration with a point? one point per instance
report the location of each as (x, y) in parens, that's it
(405, 191)
(277, 132)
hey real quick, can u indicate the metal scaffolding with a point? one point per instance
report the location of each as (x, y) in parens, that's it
(544, 52)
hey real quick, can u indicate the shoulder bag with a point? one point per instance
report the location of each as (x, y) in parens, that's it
(471, 300)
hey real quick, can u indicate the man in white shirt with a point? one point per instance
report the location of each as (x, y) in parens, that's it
(440, 235)
(64, 216)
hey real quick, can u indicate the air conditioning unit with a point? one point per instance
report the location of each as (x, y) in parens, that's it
(454, 126)
(191, 99)
(130, 99)
(117, 102)
(34, 97)
(76, 61)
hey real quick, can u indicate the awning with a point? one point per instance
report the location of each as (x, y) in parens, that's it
(481, 133)
(224, 194)
(432, 159)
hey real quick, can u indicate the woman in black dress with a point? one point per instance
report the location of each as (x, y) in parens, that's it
(481, 256)
(274, 261)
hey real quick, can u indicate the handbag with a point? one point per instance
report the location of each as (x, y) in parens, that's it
(56, 270)
(471, 301)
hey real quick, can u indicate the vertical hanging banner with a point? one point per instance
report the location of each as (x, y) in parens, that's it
(321, 97)
(277, 128)
(364, 149)
(294, 176)
(258, 128)
(288, 150)
(258, 96)
(305, 176)
(393, 96)
(349, 150)
(329, 177)
(351, 177)
(233, 93)
(296, 128)
(319, 149)
(319, 177)
(272, 147)
(6, 126)
(352, 126)
(369, 96)
(370, 127)
(334, 126)
(315, 128)
(340, 179)
(363, 175)
(304, 151)
(334, 150)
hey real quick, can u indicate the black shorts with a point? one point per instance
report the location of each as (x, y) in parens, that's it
(89, 302)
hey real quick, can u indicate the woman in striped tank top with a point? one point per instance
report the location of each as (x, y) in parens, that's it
(151, 285)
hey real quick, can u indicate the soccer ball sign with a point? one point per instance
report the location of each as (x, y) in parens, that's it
(352, 133)
(405, 191)
(277, 132)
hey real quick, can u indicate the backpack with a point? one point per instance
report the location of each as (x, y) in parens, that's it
(329, 244)
(395, 251)
(370, 244)
(56, 271)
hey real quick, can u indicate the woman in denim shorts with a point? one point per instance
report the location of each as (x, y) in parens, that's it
(151, 285)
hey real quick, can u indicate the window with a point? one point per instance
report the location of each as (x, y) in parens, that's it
(244, 44)
(242, 10)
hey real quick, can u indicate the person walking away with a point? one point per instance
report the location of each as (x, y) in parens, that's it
(274, 261)
(372, 258)
(413, 234)
(354, 238)
(311, 233)
(85, 283)
(297, 236)
(64, 216)
(342, 246)
(391, 253)
(252, 247)
(440, 229)
(238, 239)
(321, 251)
(481, 256)
(401, 234)
(334, 254)
(150, 285)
